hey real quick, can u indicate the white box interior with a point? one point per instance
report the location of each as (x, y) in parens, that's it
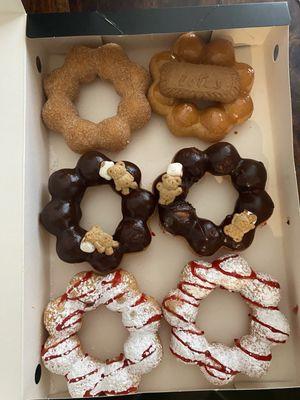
(267, 136)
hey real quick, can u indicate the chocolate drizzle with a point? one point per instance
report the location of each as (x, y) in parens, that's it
(247, 176)
(61, 216)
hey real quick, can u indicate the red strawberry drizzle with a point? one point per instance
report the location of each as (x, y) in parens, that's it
(274, 340)
(154, 318)
(126, 363)
(81, 378)
(270, 283)
(259, 357)
(54, 356)
(257, 304)
(219, 367)
(272, 329)
(198, 333)
(116, 280)
(181, 286)
(217, 265)
(187, 345)
(118, 296)
(211, 373)
(186, 360)
(44, 349)
(63, 325)
(180, 299)
(140, 300)
(194, 266)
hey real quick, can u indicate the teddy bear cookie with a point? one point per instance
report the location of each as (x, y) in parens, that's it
(170, 186)
(61, 216)
(83, 65)
(193, 70)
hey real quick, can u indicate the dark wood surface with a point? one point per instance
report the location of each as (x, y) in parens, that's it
(105, 5)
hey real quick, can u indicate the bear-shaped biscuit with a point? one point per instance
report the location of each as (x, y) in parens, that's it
(100, 240)
(240, 224)
(123, 180)
(169, 189)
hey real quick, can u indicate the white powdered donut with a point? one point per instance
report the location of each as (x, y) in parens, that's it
(251, 354)
(62, 353)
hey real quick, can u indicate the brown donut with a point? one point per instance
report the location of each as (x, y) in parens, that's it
(82, 65)
(253, 206)
(210, 124)
(61, 216)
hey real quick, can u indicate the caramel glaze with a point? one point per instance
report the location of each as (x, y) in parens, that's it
(247, 176)
(61, 216)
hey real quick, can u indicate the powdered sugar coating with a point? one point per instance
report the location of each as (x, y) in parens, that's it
(62, 353)
(251, 354)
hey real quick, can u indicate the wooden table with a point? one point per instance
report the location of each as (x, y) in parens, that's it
(105, 5)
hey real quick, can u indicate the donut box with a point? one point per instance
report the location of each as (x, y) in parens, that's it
(31, 272)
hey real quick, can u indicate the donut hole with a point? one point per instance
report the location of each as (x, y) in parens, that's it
(103, 335)
(101, 206)
(213, 197)
(97, 100)
(223, 316)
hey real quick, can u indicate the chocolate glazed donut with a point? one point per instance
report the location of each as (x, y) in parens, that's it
(247, 176)
(61, 216)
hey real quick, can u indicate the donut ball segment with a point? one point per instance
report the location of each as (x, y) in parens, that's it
(62, 352)
(61, 216)
(247, 176)
(83, 65)
(184, 118)
(251, 354)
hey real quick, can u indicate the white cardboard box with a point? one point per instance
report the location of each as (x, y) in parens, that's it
(31, 272)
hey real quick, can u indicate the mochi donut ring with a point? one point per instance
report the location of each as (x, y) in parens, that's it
(183, 117)
(82, 65)
(178, 217)
(62, 352)
(251, 354)
(61, 216)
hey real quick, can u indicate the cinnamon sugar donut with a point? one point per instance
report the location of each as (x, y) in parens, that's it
(251, 354)
(184, 118)
(62, 353)
(82, 65)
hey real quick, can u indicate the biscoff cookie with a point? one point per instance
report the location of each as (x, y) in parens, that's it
(201, 82)
(83, 65)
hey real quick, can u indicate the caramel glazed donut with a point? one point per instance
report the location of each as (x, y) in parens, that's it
(251, 354)
(61, 216)
(253, 206)
(62, 353)
(184, 119)
(83, 65)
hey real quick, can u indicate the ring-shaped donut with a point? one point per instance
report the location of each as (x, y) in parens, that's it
(248, 178)
(251, 354)
(83, 65)
(61, 216)
(62, 353)
(184, 118)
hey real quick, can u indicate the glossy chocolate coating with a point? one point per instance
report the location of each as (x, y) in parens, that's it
(61, 216)
(249, 179)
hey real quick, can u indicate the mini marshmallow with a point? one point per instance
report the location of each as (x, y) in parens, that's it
(105, 165)
(175, 169)
(87, 247)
